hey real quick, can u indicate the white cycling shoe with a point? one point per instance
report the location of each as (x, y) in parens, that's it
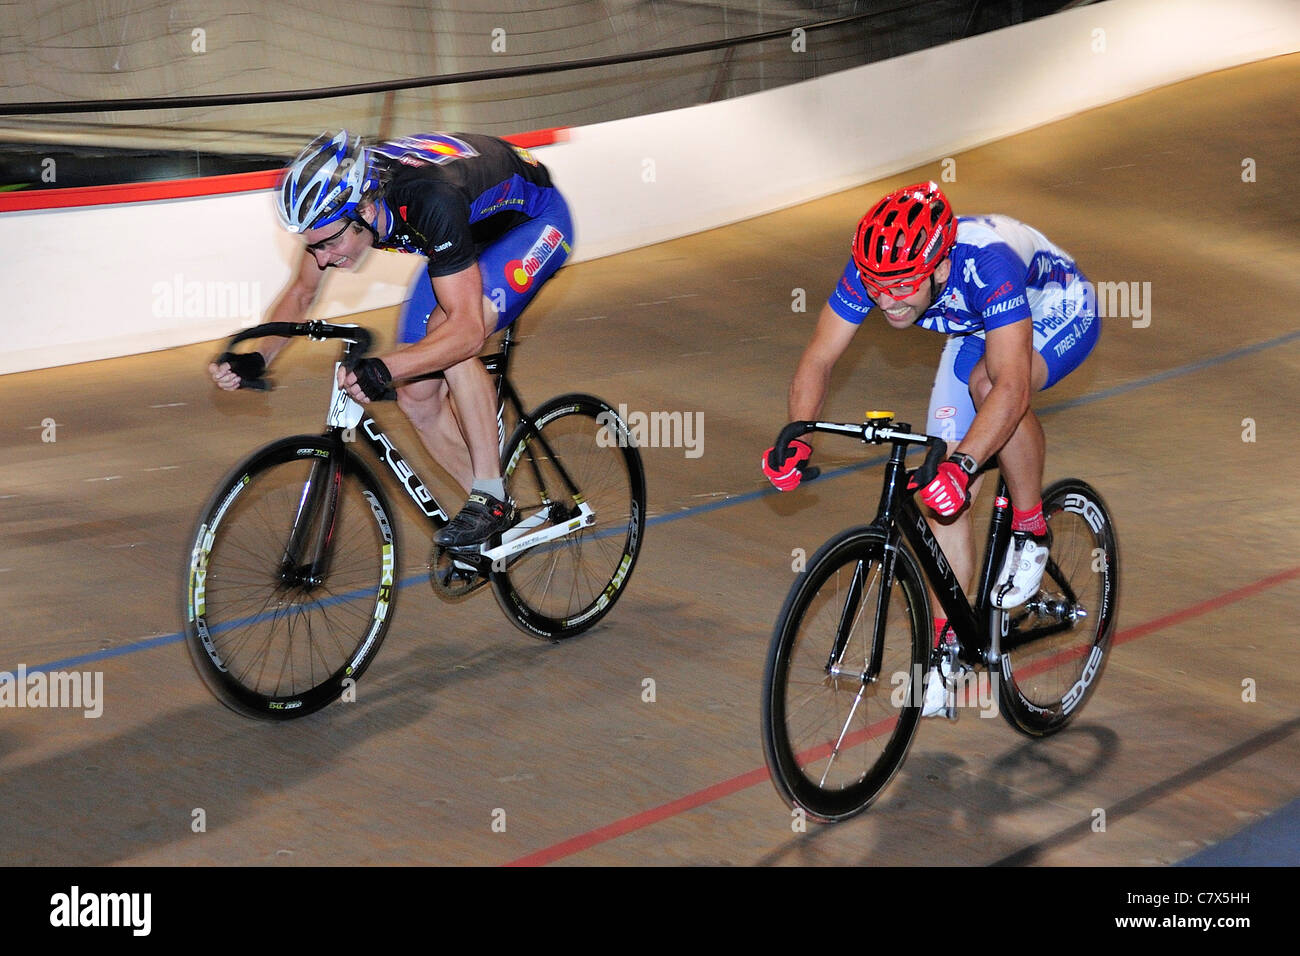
(1022, 571)
(935, 702)
(941, 683)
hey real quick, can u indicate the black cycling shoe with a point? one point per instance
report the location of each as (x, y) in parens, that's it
(482, 517)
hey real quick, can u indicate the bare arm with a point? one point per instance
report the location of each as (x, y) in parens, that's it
(460, 337)
(813, 375)
(292, 305)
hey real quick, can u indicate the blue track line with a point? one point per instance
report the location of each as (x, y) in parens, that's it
(1165, 376)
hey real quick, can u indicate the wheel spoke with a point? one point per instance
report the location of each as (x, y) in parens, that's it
(833, 739)
(287, 641)
(1046, 680)
(564, 586)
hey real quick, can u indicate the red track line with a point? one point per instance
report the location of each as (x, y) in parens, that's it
(589, 839)
(726, 788)
(1177, 617)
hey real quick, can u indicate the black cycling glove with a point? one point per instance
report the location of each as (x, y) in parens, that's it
(247, 365)
(373, 378)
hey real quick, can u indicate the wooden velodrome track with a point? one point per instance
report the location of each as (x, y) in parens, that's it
(461, 715)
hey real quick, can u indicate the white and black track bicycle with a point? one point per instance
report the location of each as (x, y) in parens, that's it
(293, 566)
(842, 690)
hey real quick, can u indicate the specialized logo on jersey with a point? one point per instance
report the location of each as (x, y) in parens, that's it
(520, 272)
(426, 149)
(1004, 306)
(526, 156)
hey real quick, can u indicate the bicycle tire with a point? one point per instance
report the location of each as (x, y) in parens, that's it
(279, 649)
(1044, 685)
(798, 685)
(552, 591)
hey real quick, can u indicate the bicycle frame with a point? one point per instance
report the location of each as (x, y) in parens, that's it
(898, 515)
(984, 633)
(899, 518)
(308, 549)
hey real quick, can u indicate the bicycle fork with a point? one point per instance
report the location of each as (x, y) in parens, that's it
(885, 581)
(307, 551)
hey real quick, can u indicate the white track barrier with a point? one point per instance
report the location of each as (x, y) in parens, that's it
(97, 282)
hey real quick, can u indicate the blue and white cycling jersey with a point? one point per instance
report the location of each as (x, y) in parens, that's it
(1003, 271)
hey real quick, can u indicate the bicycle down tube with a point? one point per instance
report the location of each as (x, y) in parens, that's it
(898, 515)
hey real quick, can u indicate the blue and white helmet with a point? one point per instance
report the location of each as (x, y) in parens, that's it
(325, 183)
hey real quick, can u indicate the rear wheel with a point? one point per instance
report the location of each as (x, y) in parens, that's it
(1045, 683)
(274, 634)
(835, 727)
(559, 589)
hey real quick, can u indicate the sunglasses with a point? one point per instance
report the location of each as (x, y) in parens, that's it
(900, 289)
(324, 243)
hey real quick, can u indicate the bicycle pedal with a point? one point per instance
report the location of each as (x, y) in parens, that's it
(453, 579)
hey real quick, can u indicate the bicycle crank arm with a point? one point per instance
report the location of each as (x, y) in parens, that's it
(514, 544)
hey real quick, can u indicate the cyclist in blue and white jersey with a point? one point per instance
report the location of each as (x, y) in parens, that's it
(493, 228)
(1019, 316)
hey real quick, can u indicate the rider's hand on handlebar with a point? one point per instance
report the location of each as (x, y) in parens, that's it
(786, 475)
(231, 369)
(366, 380)
(946, 494)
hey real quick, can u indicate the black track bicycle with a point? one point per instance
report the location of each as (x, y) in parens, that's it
(843, 685)
(293, 566)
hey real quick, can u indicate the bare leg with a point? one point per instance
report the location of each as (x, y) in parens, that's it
(1021, 462)
(476, 406)
(957, 539)
(456, 418)
(428, 406)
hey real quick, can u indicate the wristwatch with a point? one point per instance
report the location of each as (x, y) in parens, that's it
(966, 463)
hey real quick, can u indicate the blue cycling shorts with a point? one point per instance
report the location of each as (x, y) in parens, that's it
(1064, 336)
(514, 268)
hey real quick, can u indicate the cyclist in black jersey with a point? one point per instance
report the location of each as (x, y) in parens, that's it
(493, 228)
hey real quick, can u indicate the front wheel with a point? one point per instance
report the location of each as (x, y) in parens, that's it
(1068, 623)
(291, 579)
(584, 458)
(842, 686)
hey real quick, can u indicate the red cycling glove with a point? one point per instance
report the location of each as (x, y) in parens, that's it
(788, 476)
(946, 494)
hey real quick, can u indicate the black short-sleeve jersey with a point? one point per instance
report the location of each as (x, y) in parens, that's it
(454, 194)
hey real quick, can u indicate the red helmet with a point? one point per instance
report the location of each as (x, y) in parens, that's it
(903, 238)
